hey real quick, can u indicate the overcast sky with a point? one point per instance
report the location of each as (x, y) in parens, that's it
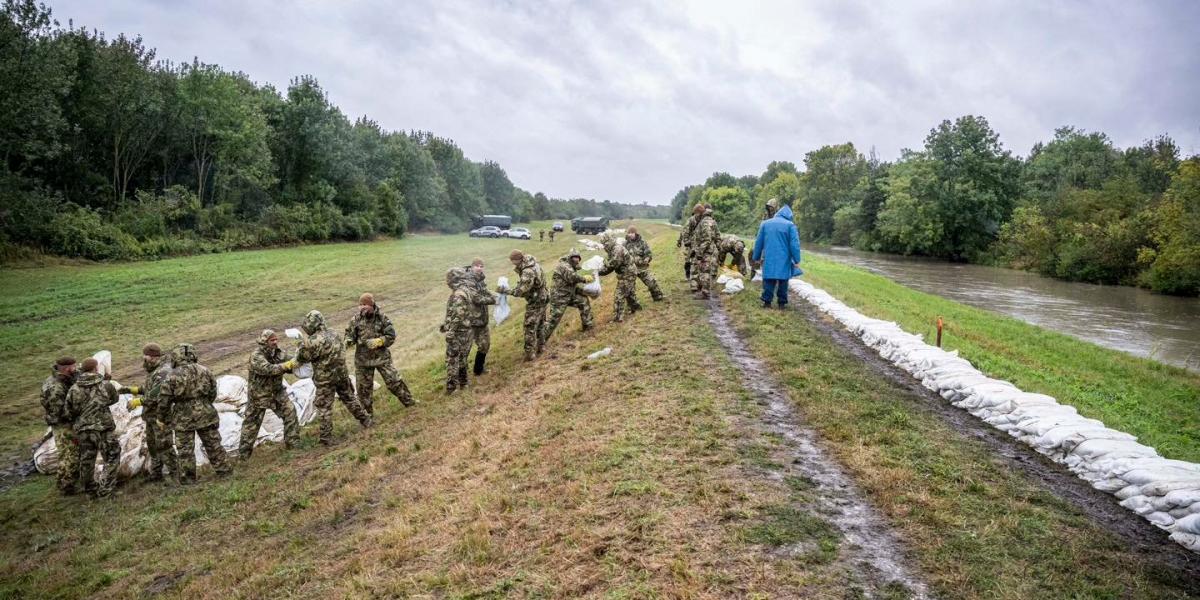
(631, 100)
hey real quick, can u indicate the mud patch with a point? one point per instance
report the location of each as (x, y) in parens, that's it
(1102, 508)
(870, 549)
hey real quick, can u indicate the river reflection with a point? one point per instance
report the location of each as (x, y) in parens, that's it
(1165, 328)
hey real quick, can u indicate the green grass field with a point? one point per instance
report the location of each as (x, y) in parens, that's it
(1158, 403)
(627, 477)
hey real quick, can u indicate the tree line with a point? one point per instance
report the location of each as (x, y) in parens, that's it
(111, 153)
(1077, 208)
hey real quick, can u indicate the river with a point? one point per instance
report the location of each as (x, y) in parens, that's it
(1133, 320)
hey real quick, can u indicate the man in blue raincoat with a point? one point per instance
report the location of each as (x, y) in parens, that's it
(777, 247)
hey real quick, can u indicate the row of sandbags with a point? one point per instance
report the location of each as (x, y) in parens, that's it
(1163, 491)
(230, 404)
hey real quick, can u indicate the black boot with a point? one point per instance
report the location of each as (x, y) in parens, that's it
(462, 377)
(687, 269)
(480, 357)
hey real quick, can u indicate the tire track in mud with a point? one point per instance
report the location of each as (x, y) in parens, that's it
(871, 550)
(1102, 508)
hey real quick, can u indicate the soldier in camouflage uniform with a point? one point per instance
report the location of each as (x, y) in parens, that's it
(481, 298)
(188, 392)
(621, 262)
(268, 363)
(371, 333)
(732, 245)
(637, 246)
(532, 287)
(457, 327)
(705, 243)
(685, 240)
(551, 235)
(87, 403)
(154, 414)
(58, 417)
(565, 293)
(323, 348)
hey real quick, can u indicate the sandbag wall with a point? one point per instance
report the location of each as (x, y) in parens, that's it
(1163, 491)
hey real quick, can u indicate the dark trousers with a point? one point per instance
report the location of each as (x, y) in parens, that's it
(777, 288)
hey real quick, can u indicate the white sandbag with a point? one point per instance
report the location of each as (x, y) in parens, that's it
(592, 290)
(1162, 488)
(502, 310)
(104, 363)
(722, 278)
(1189, 524)
(1138, 504)
(1183, 497)
(1190, 541)
(134, 453)
(757, 276)
(595, 263)
(304, 371)
(45, 455)
(230, 428)
(231, 389)
(1097, 448)
(302, 394)
(292, 333)
(1161, 519)
(733, 286)
(225, 407)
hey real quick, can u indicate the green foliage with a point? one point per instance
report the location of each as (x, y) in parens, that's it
(1174, 267)
(831, 172)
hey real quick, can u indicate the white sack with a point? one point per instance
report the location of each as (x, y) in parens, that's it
(733, 286)
(502, 310)
(595, 263)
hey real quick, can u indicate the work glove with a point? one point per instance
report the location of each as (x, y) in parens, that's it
(374, 343)
(588, 279)
(133, 389)
(289, 365)
(134, 402)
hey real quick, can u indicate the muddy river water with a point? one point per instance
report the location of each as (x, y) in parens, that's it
(1164, 328)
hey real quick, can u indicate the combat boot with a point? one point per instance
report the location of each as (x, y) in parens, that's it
(480, 358)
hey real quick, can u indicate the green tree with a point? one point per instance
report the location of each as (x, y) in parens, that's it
(498, 191)
(1174, 268)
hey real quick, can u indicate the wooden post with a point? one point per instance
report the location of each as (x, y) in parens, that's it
(939, 332)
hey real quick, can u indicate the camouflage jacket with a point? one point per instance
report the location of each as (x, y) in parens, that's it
(188, 393)
(641, 252)
(732, 244)
(532, 284)
(266, 372)
(324, 350)
(685, 232)
(152, 390)
(706, 240)
(621, 263)
(362, 329)
(567, 280)
(458, 312)
(480, 299)
(88, 403)
(54, 400)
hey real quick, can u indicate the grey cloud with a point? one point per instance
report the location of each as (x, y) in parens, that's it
(630, 101)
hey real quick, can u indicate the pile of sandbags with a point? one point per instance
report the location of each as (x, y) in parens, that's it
(231, 407)
(732, 281)
(1163, 491)
(592, 245)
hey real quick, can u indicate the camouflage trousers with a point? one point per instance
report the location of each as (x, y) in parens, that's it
(283, 408)
(651, 282)
(365, 376)
(105, 444)
(458, 346)
(558, 309)
(625, 298)
(481, 336)
(210, 440)
(68, 458)
(159, 444)
(535, 320)
(704, 272)
(338, 388)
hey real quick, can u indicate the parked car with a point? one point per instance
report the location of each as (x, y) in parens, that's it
(487, 231)
(558, 226)
(518, 232)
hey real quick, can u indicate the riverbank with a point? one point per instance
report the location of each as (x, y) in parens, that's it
(1151, 400)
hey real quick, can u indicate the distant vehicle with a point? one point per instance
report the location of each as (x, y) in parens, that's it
(487, 231)
(558, 226)
(518, 232)
(589, 225)
(498, 221)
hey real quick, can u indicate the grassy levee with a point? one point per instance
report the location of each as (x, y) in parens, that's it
(1158, 403)
(623, 477)
(221, 302)
(975, 527)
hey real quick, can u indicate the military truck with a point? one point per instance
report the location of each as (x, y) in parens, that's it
(589, 225)
(501, 221)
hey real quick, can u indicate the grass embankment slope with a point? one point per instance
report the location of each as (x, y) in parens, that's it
(1158, 403)
(632, 476)
(565, 478)
(220, 302)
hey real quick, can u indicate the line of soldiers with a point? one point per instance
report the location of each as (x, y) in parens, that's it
(466, 321)
(705, 248)
(542, 235)
(178, 395)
